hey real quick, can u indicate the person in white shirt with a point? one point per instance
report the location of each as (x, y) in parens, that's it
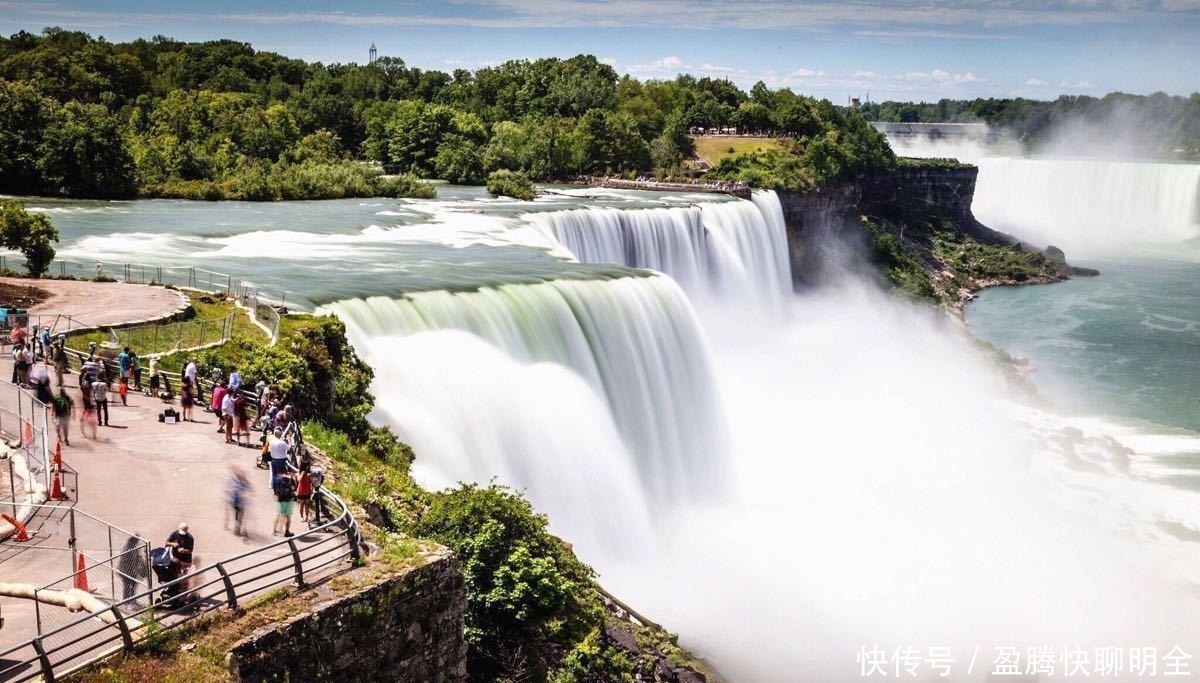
(227, 416)
(278, 450)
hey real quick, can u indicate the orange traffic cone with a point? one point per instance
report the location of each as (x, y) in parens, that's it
(81, 575)
(56, 489)
(57, 461)
(22, 533)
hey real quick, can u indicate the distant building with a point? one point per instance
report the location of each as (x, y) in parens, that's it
(854, 103)
(935, 131)
(372, 54)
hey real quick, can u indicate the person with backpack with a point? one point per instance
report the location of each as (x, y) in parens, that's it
(64, 410)
(284, 488)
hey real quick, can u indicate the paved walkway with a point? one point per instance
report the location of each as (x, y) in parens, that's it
(103, 303)
(140, 474)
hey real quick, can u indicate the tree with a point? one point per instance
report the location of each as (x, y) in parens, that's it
(29, 233)
(84, 154)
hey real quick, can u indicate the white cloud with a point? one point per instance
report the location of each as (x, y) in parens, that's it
(658, 65)
(609, 61)
(1077, 85)
(805, 73)
(1035, 81)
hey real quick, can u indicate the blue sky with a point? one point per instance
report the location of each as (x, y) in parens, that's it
(899, 49)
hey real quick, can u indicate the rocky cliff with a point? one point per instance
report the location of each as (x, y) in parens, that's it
(915, 226)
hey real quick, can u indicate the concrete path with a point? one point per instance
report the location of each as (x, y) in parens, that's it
(103, 303)
(140, 474)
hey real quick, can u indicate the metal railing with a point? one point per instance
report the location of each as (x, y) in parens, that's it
(167, 337)
(228, 583)
(188, 277)
(26, 421)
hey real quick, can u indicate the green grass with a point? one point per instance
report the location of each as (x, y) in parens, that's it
(204, 328)
(712, 149)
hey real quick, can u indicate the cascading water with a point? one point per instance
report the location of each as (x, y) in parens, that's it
(634, 340)
(1088, 205)
(733, 251)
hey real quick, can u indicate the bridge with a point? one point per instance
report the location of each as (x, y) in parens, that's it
(936, 131)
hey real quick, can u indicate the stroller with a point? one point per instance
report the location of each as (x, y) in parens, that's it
(166, 570)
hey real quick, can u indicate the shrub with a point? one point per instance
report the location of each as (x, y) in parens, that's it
(29, 233)
(510, 184)
(526, 590)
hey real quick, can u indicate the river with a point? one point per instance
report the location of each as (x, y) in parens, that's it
(784, 479)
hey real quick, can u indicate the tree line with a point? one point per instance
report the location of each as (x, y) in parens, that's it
(1151, 123)
(81, 116)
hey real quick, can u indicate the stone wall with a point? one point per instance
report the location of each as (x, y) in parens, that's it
(407, 627)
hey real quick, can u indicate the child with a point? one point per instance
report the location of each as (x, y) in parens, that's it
(123, 390)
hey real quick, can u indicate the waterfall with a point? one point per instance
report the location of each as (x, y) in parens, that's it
(634, 340)
(735, 251)
(1085, 205)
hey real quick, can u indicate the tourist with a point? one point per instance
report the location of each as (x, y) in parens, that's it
(317, 477)
(218, 396)
(88, 418)
(16, 336)
(186, 399)
(64, 410)
(235, 379)
(241, 418)
(284, 487)
(189, 371)
(216, 374)
(137, 370)
(100, 398)
(182, 545)
(39, 379)
(282, 419)
(236, 495)
(20, 364)
(60, 360)
(46, 343)
(304, 491)
(277, 449)
(123, 391)
(260, 393)
(125, 363)
(227, 415)
(132, 567)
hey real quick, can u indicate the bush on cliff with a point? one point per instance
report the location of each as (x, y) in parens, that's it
(315, 367)
(529, 598)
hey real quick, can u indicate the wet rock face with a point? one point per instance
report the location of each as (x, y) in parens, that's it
(408, 627)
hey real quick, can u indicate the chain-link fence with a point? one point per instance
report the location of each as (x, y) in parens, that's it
(166, 337)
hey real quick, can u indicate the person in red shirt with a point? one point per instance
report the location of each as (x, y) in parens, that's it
(304, 492)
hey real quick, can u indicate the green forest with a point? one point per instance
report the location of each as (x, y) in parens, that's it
(1152, 123)
(83, 117)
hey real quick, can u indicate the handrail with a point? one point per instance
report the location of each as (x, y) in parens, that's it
(128, 614)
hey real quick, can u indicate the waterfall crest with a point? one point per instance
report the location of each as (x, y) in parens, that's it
(730, 250)
(634, 340)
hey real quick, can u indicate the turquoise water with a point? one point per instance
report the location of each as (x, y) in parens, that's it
(1124, 345)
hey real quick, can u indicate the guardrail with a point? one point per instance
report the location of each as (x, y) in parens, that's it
(227, 583)
(184, 334)
(26, 420)
(187, 277)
